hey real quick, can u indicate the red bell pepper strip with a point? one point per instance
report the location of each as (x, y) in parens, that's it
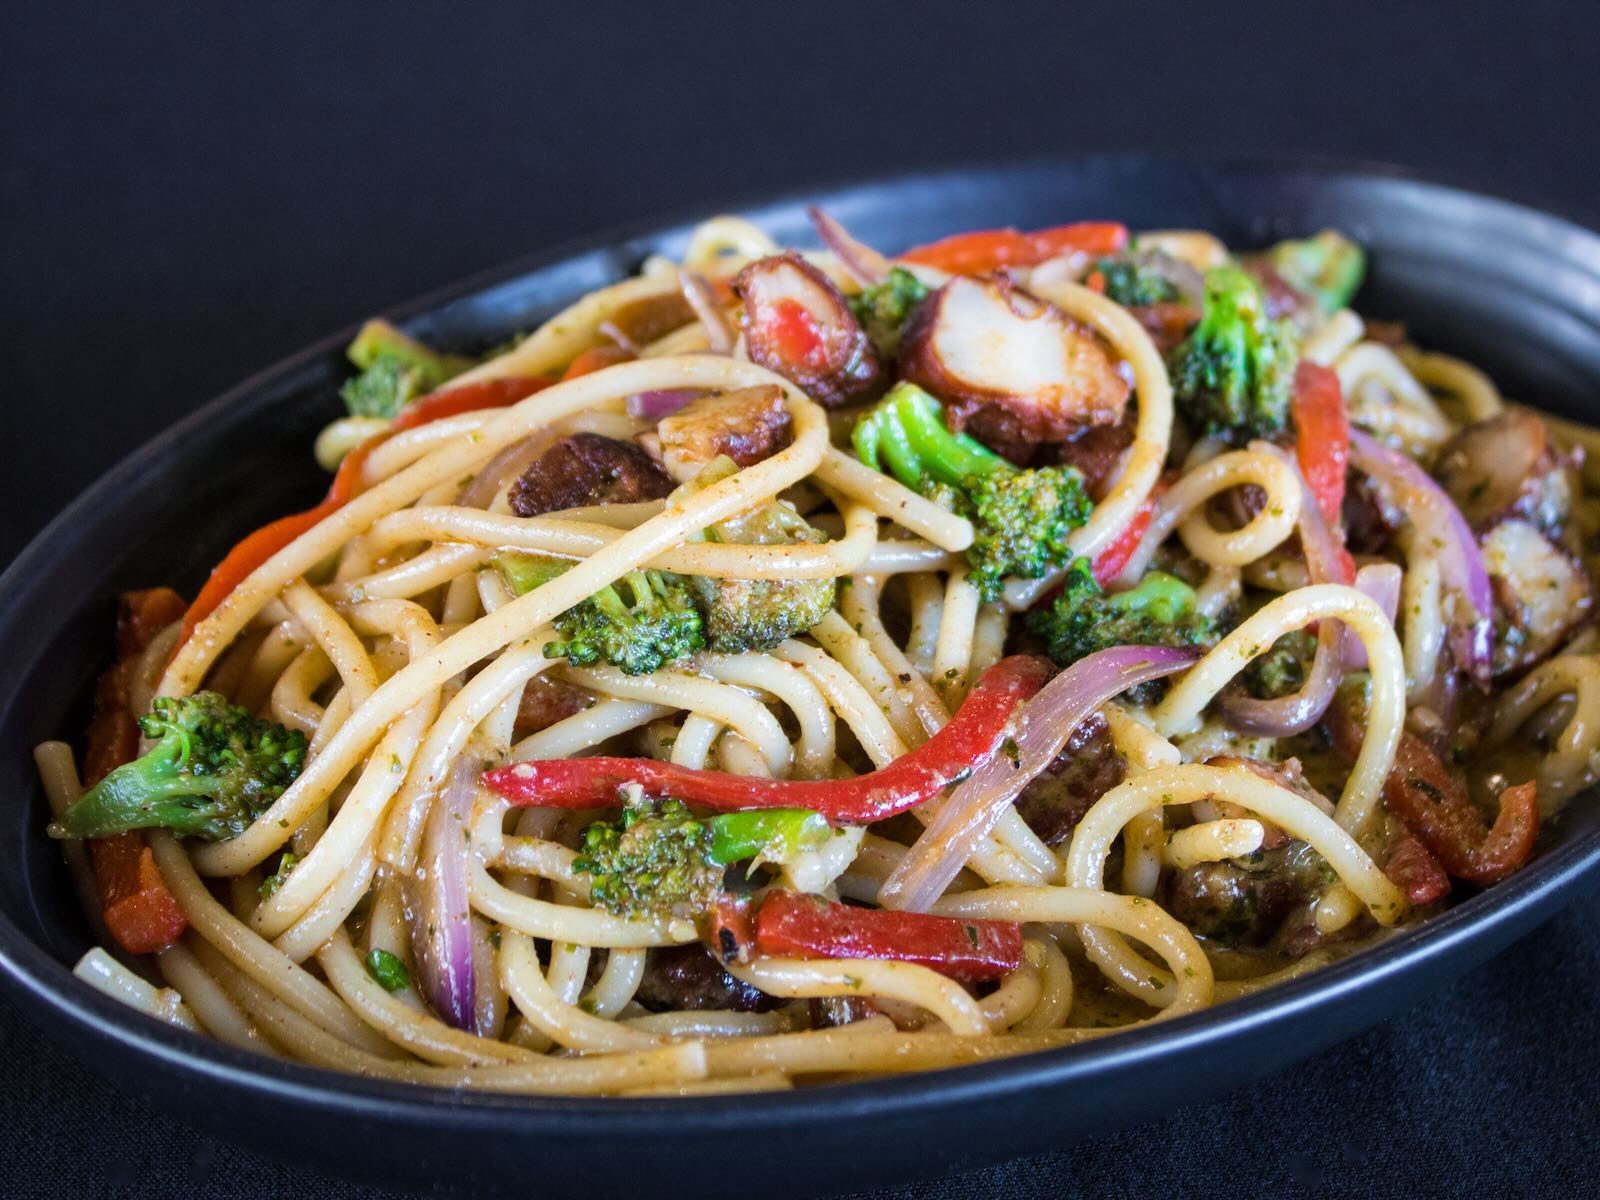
(1322, 436)
(1109, 562)
(256, 548)
(990, 249)
(970, 738)
(139, 911)
(595, 358)
(1415, 871)
(1433, 803)
(803, 926)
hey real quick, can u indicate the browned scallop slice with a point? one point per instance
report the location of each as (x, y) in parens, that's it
(1506, 466)
(798, 324)
(1541, 594)
(587, 468)
(981, 344)
(747, 425)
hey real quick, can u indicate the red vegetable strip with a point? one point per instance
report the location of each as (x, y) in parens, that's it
(803, 926)
(990, 249)
(1109, 562)
(795, 333)
(596, 358)
(733, 928)
(1322, 437)
(1433, 803)
(1415, 871)
(139, 911)
(971, 736)
(256, 548)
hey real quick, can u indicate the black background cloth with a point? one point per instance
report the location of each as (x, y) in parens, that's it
(189, 192)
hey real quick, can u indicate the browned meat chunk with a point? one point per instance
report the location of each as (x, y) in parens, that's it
(1087, 768)
(747, 425)
(1245, 902)
(689, 978)
(1541, 594)
(1097, 452)
(642, 321)
(1507, 466)
(797, 324)
(587, 469)
(986, 347)
(546, 700)
(1167, 323)
(829, 1012)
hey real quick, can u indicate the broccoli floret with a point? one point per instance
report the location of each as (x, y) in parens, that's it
(1234, 373)
(653, 864)
(659, 861)
(213, 770)
(756, 614)
(1021, 518)
(1134, 280)
(1159, 612)
(1328, 267)
(640, 623)
(395, 370)
(883, 308)
(1282, 669)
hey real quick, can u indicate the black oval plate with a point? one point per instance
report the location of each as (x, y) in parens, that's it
(1514, 289)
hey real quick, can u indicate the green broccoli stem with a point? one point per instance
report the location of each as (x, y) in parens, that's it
(524, 572)
(378, 338)
(771, 833)
(906, 431)
(149, 792)
(1159, 596)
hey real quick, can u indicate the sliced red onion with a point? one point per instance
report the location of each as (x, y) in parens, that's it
(1439, 524)
(1299, 711)
(652, 406)
(1380, 583)
(438, 903)
(967, 814)
(615, 332)
(865, 265)
(719, 334)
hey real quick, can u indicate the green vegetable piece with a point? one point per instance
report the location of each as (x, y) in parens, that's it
(771, 834)
(884, 308)
(1234, 374)
(213, 770)
(271, 884)
(388, 971)
(756, 614)
(639, 624)
(1021, 518)
(1135, 280)
(1282, 669)
(654, 863)
(395, 370)
(1328, 267)
(1160, 611)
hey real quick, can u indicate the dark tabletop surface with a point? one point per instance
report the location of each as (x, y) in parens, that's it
(188, 193)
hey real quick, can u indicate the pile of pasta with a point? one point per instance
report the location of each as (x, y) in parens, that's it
(384, 634)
